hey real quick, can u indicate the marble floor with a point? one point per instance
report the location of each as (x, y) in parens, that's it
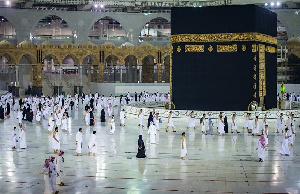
(213, 165)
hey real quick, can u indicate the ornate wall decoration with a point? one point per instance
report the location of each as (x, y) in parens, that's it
(77, 52)
(223, 37)
(194, 48)
(227, 48)
(254, 48)
(262, 71)
(271, 49)
(244, 48)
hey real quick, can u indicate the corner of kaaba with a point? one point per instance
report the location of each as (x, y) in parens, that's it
(223, 58)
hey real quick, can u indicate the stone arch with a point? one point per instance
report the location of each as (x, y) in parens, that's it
(70, 56)
(7, 66)
(50, 63)
(7, 58)
(106, 27)
(93, 67)
(30, 59)
(284, 21)
(26, 67)
(282, 35)
(112, 69)
(89, 67)
(6, 28)
(91, 58)
(156, 28)
(61, 28)
(131, 67)
(56, 60)
(130, 60)
(112, 60)
(148, 69)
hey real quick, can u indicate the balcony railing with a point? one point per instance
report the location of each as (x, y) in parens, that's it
(154, 39)
(13, 37)
(107, 38)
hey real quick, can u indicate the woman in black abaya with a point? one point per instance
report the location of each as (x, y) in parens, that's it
(141, 148)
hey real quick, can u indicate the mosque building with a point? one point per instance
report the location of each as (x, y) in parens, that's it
(88, 86)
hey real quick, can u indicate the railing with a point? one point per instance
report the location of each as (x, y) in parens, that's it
(282, 53)
(154, 39)
(107, 38)
(60, 37)
(7, 36)
(46, 78)
(68, 84)
(147, 107)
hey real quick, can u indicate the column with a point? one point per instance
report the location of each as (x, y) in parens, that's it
(121, 74)
(60, 75)
(80, 87)
(140, 74)
(101, 73)
(95, 73)
(16, 87)
(17, 75)
(89, 73)
(80, 75)
(135, 78)
(37, 80)
(60, 81)
(159, 73)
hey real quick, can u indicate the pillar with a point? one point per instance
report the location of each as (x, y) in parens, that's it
(140, 74)
(121, 76)
(60, 75)
(17, 75)
(80, 87)
(37, 88)
(170, 77)
(159, 73)
(89, 72)
(16, 87)
(135, 77)
(80, 75)
(101, 73)
(95, 73)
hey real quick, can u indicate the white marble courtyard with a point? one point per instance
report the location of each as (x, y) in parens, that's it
(213, 165)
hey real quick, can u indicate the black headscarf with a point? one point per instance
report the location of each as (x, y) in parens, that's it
(140, 141)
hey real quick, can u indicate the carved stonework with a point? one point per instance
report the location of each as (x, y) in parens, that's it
(293, 45)
(14, 53)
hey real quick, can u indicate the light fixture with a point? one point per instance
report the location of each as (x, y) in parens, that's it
(266, 4)
(101, 5)
(7, 2)
(278, 4)
(95, 5)
(272, 4)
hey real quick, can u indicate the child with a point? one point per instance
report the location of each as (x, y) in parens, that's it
(183, 146)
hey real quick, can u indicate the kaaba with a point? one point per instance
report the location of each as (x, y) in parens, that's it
(223, 58)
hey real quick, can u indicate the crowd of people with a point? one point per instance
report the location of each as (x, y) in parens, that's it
(56, 111)
(289, 96)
